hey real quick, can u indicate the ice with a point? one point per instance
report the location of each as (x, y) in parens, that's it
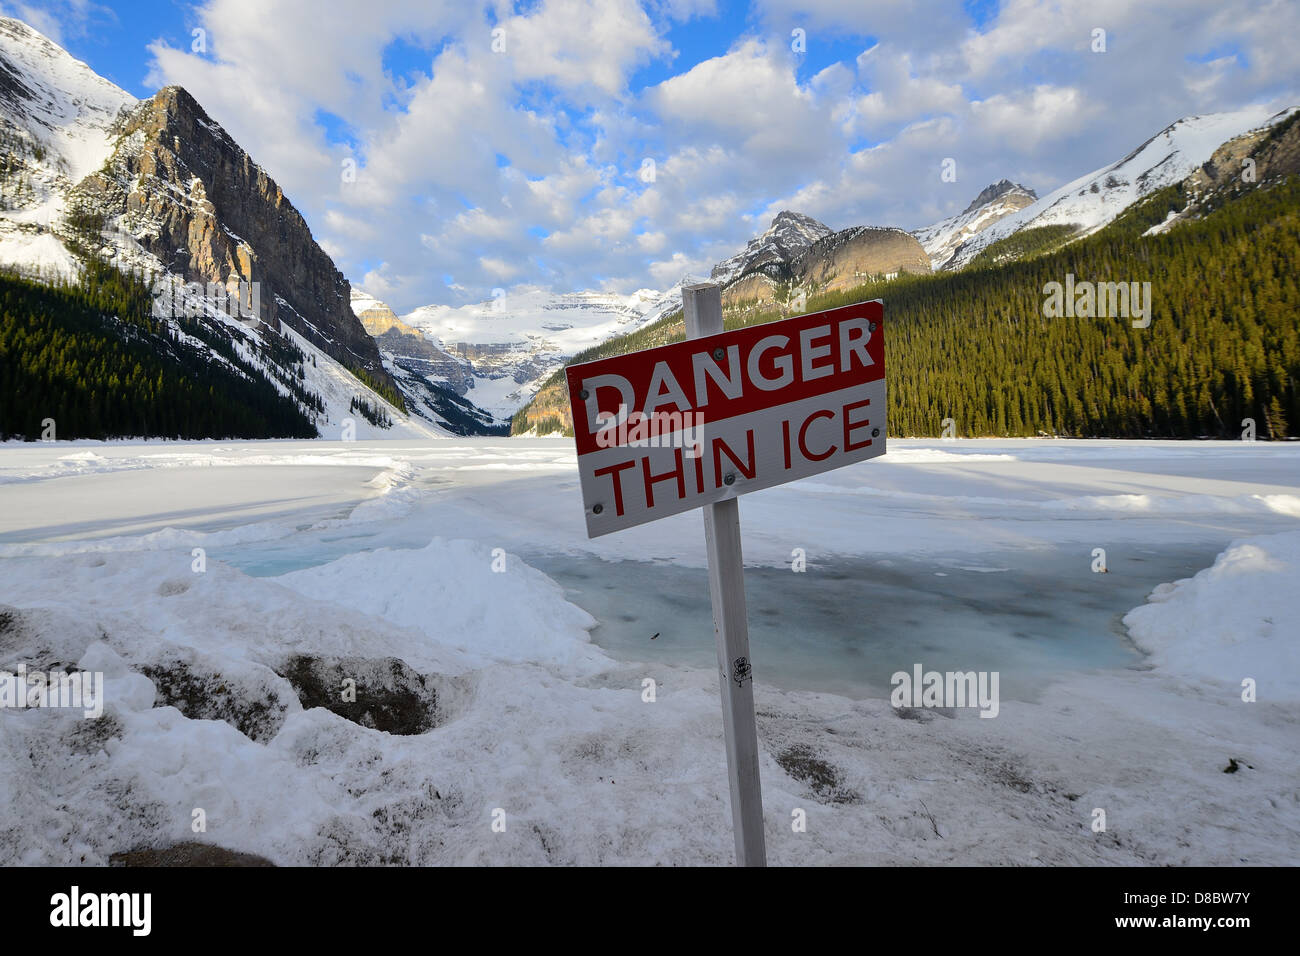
(1232, 621)
(952, 554)
(848, 624)
(476, 614)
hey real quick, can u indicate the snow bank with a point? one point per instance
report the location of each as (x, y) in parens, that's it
(461, 594)
(1234, 620)
(536, 722)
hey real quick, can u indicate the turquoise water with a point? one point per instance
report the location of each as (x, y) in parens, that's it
(844, 625)
(848, 625)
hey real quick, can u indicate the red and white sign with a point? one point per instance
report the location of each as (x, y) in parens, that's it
(696, 422)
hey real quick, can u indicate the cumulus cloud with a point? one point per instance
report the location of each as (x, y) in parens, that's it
(579, 143)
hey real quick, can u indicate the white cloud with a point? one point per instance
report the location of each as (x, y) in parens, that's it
(499, 268)
(579, 42)
(525, 166)
(1045, 113)
(57, 19)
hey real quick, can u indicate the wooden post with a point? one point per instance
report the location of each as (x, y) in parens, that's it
(702, 305)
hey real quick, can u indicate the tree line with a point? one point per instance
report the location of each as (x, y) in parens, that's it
(1222, 348)
(89, 356)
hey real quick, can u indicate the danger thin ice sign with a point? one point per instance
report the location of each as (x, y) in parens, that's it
(703, 421)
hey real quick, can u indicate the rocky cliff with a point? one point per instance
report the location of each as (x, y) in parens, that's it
(407, 346)
(832, 262)
(186, 192)
(1255, 158)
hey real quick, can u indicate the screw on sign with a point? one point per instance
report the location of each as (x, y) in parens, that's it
(698, 423)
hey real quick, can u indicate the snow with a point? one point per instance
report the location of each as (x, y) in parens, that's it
(537, 720)
(528, 620)
(1095, 199)
(1235, 618)
(943, 238)
(37, 254)
(524, 335)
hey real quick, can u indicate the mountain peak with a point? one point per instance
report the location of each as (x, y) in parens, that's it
(789, 216)
(996, 191)
(788, 235)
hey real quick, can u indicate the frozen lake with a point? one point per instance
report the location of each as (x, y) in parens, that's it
(847, 626)
(934, 579)
(847, 623)
(969, 555)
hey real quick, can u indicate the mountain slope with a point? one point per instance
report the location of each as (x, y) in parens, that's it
(56, 122)
(995, 202)
(1095, 199)
(977, 347)
(91, 362)
(1258, 157)
(158, 189)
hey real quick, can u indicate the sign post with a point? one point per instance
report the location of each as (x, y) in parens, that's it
(702, 305)
(696, 424)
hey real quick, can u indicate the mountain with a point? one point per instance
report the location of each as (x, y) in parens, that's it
(56, 121)
(799, 254)
(1259, 157)
(433, 382)
(158, 189)
(795, 254)
(495, 354)
(995, 202)
(1212, 254)
(180, 190)
(1085, 205)
(789, 234)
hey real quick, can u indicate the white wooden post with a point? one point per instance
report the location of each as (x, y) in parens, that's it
(702, 305)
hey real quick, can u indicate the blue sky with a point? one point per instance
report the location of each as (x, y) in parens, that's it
(620, 144)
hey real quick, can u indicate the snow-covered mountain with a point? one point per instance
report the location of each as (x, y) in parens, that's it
(995, 202)
(795, 254)
(434, 383)
(496, 354)
(789, 234)
(157, 187)
(56, 120)
(1095, 199)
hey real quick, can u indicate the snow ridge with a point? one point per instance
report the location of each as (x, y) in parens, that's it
(1095, 199)
(993, 203)
(789, 234)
